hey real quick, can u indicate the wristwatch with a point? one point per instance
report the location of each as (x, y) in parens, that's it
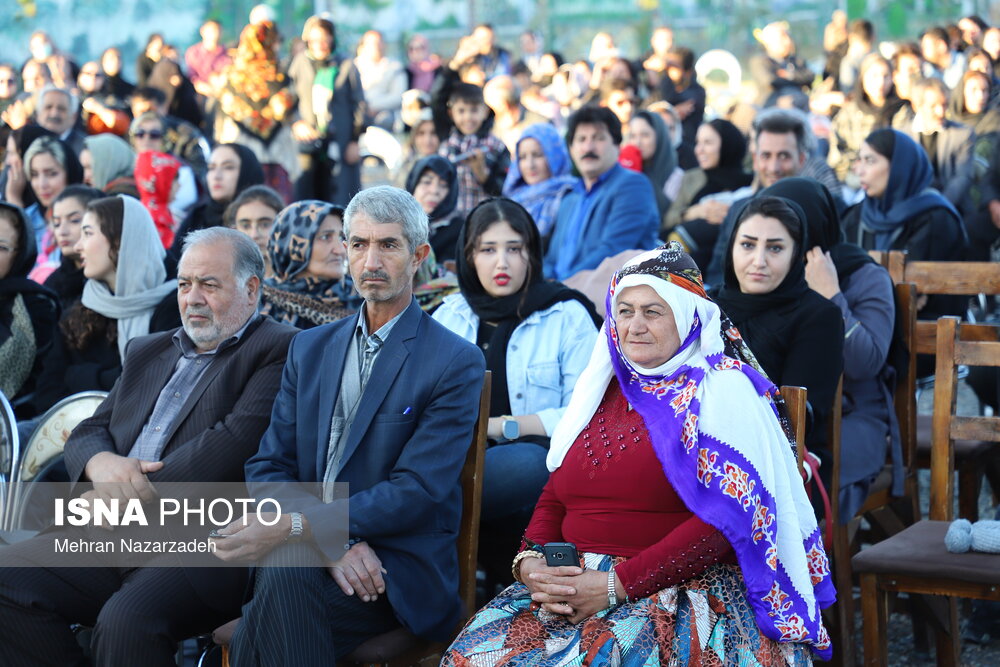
(510, 428)
(295, 534)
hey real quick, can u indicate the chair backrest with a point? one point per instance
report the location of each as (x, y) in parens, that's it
(53, 430)
(939, 278)
(10, 450)
(472, 503)
(46, 446)
(956, 348)
(905, 398)
(795, 403)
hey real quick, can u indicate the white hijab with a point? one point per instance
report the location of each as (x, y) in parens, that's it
(736, 424)
(140, 280)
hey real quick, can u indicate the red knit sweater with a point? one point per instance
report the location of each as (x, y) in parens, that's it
(610, 496)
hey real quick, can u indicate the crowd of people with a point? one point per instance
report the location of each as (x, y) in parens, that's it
(637, 272)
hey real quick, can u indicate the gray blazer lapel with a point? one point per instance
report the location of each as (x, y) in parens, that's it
(330, 369)
(387, 366)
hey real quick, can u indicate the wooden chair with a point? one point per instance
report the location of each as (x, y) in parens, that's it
(45, 448)
(839, 617)
(878, 506)
(795, 403)
(889, 514)
(915, 560)
(399, 647)
(973, 459)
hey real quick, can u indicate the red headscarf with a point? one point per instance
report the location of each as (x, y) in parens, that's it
(154, 177)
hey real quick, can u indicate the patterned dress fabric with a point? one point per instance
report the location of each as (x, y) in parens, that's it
(704, 621)
(714, 422)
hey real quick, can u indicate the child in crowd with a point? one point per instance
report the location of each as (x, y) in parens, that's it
(480, 157)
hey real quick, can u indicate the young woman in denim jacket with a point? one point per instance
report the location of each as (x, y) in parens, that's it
(537, 337)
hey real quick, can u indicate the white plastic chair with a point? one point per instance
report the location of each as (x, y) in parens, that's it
(46, 446)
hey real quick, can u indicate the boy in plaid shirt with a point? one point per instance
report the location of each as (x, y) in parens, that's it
(480, 158)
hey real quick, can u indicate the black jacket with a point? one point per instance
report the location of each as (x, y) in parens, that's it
(67, 371)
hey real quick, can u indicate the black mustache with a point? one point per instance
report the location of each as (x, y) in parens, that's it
(593, 156)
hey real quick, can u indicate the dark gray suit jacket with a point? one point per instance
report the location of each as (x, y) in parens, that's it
(221, 422)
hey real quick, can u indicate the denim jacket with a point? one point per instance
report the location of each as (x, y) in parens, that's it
(545, 355)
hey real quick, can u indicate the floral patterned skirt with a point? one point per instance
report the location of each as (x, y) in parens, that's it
(704, 621)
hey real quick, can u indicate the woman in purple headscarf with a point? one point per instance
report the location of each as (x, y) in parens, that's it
(671, 474)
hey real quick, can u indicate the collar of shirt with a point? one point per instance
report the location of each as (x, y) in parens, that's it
(581, 186)
(376, 339)
(190, 350)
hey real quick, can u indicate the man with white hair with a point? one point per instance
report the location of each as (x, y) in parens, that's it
(190, 406)
(58, 111)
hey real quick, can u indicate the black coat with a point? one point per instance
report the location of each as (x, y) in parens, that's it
(801, 344)
(933, 235)
(67, 371)
(67, 282)
(43, 309)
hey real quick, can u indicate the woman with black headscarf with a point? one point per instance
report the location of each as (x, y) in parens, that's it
(232, 168)
(537, 337)
(182, 99)
(870, 106)
(972, 104)
(694, 218)
(845, 274)
(28, 311)
(648, 133)
(433, 182)
(796, 334)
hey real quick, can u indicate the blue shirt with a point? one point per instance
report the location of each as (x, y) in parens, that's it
(618, 213)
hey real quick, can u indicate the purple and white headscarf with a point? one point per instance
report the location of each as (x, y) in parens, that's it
(714, 425)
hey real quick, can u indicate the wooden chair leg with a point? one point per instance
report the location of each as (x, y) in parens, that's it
(843, 632)
(947, 639)
(993, 477)
(969, 481)
(875, 612)
(225, 656)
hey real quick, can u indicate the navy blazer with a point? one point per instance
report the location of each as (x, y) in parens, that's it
(402, 457)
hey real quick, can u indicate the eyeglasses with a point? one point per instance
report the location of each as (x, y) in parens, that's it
(152, 134)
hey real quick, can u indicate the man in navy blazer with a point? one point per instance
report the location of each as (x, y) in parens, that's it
(610, 209)
(385, 401)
